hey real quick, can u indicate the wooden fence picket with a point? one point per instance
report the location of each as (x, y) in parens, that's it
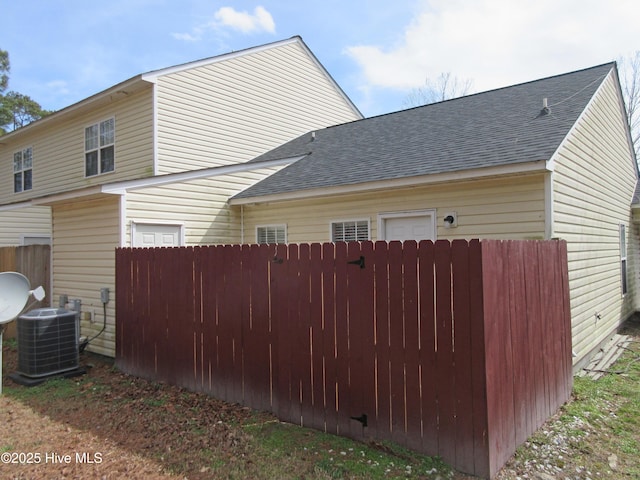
(459, 349)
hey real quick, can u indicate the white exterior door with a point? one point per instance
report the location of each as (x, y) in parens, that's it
(408, 226)
(153, 235)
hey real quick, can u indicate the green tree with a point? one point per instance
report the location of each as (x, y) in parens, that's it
(4, 70)
(16, 109)
(20, 110)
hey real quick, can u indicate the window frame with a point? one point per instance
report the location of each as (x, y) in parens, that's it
(102, 141)
(22, 171)
(275, 227)
(136, 225)
(355, 221)
(624, 278)
(430, 213)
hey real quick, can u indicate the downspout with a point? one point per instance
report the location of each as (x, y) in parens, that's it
(549, 231)
(154, 106)
(123, 220)
(242, 224)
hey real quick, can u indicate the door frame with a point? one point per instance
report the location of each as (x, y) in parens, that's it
(137, 223)
(383, 216)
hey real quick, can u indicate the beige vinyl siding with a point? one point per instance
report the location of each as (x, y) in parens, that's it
(594, 181)
(58, 150)
(15, 224)
(509, 208)
(83, 254)
(233, 110)
(200, 206)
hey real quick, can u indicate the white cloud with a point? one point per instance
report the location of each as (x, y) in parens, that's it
(227, 17)
(187, 37)
(260, 21)
(58, 87)
(495, 43)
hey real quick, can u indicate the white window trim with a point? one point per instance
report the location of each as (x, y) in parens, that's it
(624, 264)
(84, 144)
(165, 223)
(345, 220)
(276, 226)
(25, 236)
(22, 170)
(383, 216)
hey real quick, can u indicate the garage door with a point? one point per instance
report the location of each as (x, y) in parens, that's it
(152, 235)
(402, 226)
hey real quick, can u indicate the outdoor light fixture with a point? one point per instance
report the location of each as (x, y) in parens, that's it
(450, 220)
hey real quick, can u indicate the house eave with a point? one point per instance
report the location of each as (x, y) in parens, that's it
(154, 75)
(122, 187)
(15, 206)
(109, 95)
(157, 181)
(538, 166)
(74, 195)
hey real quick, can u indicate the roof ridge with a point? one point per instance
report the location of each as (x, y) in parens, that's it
(498, 127)
(497, 89)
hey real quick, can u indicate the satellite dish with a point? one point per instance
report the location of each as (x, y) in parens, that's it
(14, 293)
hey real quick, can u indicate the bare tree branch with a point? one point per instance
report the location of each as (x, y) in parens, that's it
(629, 69)
(443, 88)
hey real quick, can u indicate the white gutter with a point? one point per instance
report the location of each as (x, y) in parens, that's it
(120, 188)
(471, 174)
(14, 206)
(106, 95)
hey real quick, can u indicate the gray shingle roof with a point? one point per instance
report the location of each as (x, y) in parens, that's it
(498, 127)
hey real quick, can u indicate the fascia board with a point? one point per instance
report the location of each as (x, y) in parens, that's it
(122, 187)
(155, 74)
(479, 173)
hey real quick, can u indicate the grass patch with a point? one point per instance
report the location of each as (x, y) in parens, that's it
(329, 456)
(596, 435)
(55, 388)
(599, 430)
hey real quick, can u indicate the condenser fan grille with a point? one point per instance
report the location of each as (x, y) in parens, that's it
(47, 342)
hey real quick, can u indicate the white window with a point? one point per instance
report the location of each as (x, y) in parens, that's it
(22, 170)
(350, 231)
(99, 147)
(35, 239)
(271, 234)
(623, 259)
(156, 235)
(411, 225)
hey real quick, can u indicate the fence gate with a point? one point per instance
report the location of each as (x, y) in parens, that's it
(435, 346)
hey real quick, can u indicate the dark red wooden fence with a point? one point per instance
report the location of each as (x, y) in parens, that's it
(458, 349)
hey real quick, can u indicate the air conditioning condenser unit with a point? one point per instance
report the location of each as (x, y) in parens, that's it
(47, 345)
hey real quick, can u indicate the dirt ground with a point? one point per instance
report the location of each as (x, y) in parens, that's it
(108, 425)
(58, 450)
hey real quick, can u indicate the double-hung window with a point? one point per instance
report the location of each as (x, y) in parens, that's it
(350, 231)
(271, 234)
(23, 170)
(623, 259)
(99, 147)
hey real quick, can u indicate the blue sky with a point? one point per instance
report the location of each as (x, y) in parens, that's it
(378, 51)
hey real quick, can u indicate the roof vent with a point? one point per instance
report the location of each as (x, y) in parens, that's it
(313, 136)
(545, 107)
